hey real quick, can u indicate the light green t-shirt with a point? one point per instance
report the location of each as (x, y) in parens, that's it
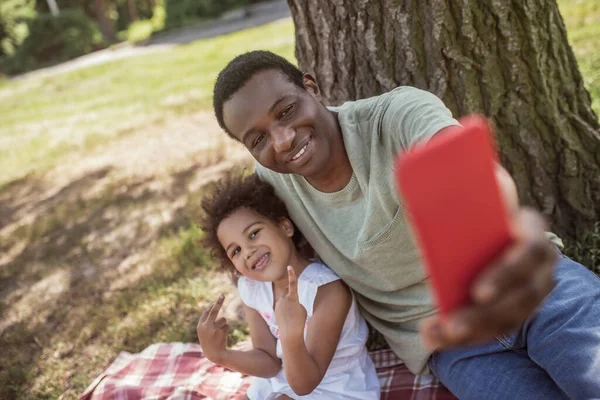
(361, 232)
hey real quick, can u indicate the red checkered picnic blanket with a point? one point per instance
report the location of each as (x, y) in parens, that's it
(180, 371)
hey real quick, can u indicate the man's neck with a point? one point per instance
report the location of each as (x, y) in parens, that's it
(338, 172)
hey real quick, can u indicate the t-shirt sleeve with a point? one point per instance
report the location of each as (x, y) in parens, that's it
(413, 115)
(244, 292)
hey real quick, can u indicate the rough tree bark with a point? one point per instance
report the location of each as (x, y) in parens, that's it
(507, 59)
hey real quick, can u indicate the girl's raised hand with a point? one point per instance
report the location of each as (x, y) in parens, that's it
(290, 314)
(212, 332)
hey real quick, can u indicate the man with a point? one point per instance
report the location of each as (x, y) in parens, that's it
(333, 169)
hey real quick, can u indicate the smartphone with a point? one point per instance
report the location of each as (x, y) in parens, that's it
(454, 205)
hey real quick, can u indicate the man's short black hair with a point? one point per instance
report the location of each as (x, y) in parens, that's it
(239, 70)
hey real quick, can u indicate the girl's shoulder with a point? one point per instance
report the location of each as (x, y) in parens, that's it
(254, 293)
(312, 278)
(318, 274)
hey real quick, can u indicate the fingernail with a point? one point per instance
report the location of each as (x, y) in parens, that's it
(289, 267)
(221, 297)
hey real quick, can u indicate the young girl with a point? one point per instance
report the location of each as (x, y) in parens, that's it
(307, 335)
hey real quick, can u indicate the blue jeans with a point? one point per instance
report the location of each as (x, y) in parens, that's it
(555, 355)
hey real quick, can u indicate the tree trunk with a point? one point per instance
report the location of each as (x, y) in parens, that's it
(132, 10)
(106, 26)
(509, 60)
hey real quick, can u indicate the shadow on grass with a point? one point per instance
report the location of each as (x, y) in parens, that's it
(96, 267)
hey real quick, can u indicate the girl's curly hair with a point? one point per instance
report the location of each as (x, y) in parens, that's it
(237, 190)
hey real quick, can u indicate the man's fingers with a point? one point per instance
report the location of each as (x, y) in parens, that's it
(531, 222)
(431, 332)
(530, 257)
(214, 311)
(480, 323)
(293, 283)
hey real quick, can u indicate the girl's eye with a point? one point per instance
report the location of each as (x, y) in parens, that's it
(235, 251)
(258, 139)
(254, 234)
(286, 111)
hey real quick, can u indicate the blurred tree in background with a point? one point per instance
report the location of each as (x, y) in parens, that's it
(32, 37)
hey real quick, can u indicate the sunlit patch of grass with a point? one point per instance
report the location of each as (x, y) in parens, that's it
(582, 18)
(44, 118)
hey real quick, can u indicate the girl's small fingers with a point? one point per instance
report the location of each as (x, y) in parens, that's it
(293, 283)
(205, 314)
(214, 311)
(221, 322)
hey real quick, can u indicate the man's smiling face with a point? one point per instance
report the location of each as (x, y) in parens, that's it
(286, 128)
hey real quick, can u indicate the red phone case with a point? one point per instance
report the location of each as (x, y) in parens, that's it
(455, 207)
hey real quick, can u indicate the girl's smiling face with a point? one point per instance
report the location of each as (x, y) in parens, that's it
(259, 248)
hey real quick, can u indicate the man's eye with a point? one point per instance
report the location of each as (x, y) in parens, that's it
(258, 139)
(254, 234)
(286, 111)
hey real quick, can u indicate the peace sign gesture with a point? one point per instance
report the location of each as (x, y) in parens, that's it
(212, 332)
(290, 314)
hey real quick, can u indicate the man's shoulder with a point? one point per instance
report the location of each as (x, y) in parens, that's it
(281, 182)
(398, 102)
(383, 98)
(266, 175)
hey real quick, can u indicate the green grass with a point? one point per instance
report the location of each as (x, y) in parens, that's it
(582, 18)
(80, 323)
(46, 118)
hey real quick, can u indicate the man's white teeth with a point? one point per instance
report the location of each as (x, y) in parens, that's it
(302, 150)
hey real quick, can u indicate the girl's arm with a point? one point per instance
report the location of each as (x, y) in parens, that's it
(306, 362)
(261, 361)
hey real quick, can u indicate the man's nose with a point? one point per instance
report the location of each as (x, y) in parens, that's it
(283, 138)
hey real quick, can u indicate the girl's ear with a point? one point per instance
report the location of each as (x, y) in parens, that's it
(287, 227)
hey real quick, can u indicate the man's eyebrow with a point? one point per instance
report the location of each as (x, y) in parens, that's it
(279, 100)
(273, 106)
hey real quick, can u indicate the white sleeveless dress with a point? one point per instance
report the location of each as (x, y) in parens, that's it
(351, 373)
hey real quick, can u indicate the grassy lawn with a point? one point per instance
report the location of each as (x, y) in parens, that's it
(102, 263)
(87, 107)
(582, 18)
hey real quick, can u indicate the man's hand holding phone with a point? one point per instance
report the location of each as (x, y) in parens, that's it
(505, 294)
(489, 262)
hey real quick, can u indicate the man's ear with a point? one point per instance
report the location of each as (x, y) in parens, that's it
(310, 83)
(287, 226)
